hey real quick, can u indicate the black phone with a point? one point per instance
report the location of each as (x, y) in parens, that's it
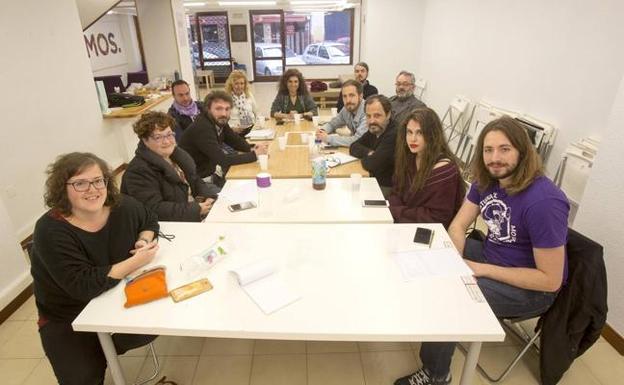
(375, 203)
(330, 147)
(423, 235)
(279, 122)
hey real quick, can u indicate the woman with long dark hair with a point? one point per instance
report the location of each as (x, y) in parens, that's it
(427, 186)
(293, 97)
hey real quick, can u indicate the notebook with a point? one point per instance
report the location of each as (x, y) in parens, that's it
(263, 284)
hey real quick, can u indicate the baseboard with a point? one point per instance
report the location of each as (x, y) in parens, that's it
(613, 338)
(20, 293)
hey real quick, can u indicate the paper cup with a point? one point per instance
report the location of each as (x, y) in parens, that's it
(263, 179)
(304, 138)
(281, 141)
(316, 120)
(356, 181)
(260, 121)
(297, 118)
(334, 112)
(264, 162)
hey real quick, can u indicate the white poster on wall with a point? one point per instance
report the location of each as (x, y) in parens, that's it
(104, 45)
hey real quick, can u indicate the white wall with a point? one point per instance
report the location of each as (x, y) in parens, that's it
(90, 10)
(159, 41)
(129, 43)
(51, 109)
(600, 215)
(391, 40)
(559, 61)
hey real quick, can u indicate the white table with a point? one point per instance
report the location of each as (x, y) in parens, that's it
(295, 201)
(351, 290)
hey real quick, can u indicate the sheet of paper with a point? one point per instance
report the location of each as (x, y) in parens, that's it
(241, 192)
(430, 263)
(271, 293)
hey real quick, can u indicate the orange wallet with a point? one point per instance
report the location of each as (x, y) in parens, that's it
(148, 286)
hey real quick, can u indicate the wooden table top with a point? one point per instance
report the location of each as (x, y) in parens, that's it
(136, 111)
(294, 161)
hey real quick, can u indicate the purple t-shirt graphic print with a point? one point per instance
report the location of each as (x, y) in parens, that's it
(537, 217)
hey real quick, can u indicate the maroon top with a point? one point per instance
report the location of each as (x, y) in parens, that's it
(436, 202)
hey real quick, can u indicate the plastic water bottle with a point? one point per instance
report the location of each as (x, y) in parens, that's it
(205, 259)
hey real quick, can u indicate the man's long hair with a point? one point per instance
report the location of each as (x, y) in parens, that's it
(529, 164)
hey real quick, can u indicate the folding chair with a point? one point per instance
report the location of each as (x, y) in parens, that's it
(572, 176)
(156, 366)
(482, 115)
(419, 88)
(513, 325)
(453, 122)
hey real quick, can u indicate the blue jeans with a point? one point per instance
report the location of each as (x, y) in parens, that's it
(505, 300)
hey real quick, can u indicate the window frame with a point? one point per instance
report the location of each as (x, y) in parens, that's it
(200, 41)
(254, 59)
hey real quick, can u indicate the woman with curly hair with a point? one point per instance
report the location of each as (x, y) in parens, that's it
(90, 239)
(163, 176)
(293, 97)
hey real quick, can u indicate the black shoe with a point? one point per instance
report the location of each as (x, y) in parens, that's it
(422, 377)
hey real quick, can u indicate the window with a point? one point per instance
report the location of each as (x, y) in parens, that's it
(297, 38)
(210, 43)
(327, 35)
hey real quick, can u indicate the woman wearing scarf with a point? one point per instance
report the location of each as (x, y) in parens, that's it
(244, 109)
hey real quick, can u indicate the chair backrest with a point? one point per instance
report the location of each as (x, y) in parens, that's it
(419, 89)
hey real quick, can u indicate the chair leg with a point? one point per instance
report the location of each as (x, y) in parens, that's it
(156, 366)
(513, 363)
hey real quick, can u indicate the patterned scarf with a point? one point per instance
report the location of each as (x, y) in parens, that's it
(192, 110)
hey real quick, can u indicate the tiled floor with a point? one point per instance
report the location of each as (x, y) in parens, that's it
(211, 361)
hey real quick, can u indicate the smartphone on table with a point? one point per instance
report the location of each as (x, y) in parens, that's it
(241, 206)
(423, 236)
(375, 203)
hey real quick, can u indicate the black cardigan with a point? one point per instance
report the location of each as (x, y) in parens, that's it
(70, 266)
(380, 163)
(154, 182)
(574, 321)
(204, 145)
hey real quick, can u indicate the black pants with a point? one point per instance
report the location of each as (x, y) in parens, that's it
(77, 357)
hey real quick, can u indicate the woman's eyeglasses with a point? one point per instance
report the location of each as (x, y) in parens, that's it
(160, 138)
(83, 185)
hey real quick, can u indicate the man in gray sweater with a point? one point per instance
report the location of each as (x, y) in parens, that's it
(404, 101)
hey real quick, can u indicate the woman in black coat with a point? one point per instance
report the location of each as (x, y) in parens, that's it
(163, 176)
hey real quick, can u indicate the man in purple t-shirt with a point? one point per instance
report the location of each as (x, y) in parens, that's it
(522, 263)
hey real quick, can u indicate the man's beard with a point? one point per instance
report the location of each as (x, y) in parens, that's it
(351, 107)
(220, 121)
(376, 129)
(509, 172)
(405, 95)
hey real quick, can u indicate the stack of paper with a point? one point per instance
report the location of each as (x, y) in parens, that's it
(263, 134)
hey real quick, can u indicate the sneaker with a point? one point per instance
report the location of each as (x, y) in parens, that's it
(423, 377)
